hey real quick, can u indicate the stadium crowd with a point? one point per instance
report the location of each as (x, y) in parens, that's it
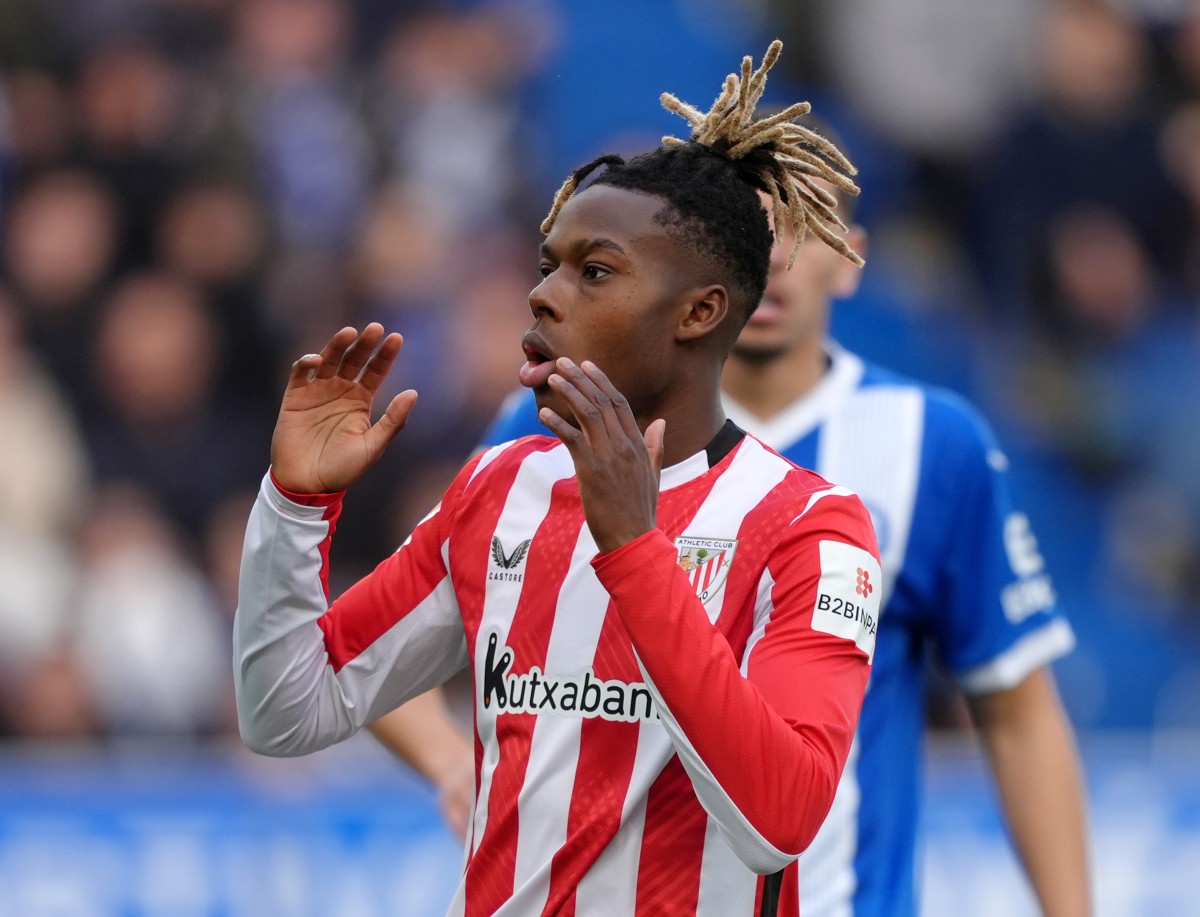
(195, 192)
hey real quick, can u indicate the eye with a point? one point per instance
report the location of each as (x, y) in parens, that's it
(595, 272)
(545, 270)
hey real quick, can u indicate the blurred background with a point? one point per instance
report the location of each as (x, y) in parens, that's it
(195, 192)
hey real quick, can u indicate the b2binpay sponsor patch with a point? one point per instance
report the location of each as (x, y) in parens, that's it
(848, 595)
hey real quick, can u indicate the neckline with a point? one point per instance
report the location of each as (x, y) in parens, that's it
(808, 411)
(692, 467)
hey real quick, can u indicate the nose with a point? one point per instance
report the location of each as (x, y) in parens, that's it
(540, 302)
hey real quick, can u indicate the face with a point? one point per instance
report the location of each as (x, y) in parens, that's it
(795, 307)
(611, 292)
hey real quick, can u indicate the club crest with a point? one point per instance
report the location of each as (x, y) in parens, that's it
(706, 562)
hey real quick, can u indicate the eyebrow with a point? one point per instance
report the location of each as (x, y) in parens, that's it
(583, 246)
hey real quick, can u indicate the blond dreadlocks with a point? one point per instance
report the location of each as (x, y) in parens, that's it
(787, 160)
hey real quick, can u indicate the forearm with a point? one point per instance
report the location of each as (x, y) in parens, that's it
(1039, 780)
(287, 699)
(422, 735)
(767, 779)
(308, 674)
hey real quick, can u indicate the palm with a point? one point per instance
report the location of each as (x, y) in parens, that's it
(324, 439)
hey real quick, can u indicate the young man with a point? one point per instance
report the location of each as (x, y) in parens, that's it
(961, 572)
(669, 627)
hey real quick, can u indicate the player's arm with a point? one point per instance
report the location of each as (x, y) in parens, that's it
(763, 739)
(1031, 747)
(423, 735)
(765, 748)
(998, 629)
(307, 674)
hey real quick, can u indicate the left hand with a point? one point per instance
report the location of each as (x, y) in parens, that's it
(618, 468)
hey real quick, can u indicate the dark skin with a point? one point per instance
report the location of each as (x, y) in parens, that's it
(616, 292)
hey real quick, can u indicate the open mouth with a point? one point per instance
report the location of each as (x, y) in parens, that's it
(539, 363)
(770, 310)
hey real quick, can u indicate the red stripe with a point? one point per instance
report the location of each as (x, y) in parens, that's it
(758, 532)
(606, 755)
(490, 872)
(372, 606)
(605, 766)
(470, 564)
(668, 879)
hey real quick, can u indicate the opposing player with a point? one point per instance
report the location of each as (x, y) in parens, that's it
(961, 573)
(669, 627)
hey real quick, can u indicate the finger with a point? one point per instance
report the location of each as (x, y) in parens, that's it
(592, 407)
(656, 435)
(303, 369)
(331, 355)
(381, 362)
(571, 437)
(620, 404)
(360, 351)
(395, 416)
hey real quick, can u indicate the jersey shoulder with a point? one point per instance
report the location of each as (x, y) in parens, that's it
(954, 431)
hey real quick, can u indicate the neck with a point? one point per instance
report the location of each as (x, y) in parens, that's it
(767, 386)
(692, 421)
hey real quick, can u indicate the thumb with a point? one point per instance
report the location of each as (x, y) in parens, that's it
(392, 422)
(655, 434)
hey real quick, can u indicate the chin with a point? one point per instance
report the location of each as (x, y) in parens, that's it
(545, 397)
(756, 353)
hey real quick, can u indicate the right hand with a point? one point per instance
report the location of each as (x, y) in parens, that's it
(324, 439)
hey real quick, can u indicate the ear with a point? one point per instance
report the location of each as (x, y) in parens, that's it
(703, 310)
(845, 284)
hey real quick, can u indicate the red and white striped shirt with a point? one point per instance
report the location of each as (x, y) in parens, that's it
(655, 727)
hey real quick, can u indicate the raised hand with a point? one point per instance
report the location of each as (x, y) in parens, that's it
(324, 439)
(617, 467)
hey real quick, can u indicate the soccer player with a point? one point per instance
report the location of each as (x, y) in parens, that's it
(961, 573)
(669, 627)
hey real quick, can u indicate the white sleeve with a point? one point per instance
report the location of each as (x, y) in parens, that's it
(306, 676)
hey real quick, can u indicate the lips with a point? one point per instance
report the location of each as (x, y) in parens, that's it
(770, 310)
(539, 364)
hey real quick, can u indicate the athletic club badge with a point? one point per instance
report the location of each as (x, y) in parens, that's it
(706, 562)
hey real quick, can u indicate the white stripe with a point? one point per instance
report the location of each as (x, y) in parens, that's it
(525, 507)
(544, 804)
(827, 877)
(763, 606)
(886, 479)
(610, 886)
(488, 457)
(1011, 667)
(726, 885)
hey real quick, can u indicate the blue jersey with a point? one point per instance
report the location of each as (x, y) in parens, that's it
(961, 574)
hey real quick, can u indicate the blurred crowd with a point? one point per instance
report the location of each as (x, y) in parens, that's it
(195, 192)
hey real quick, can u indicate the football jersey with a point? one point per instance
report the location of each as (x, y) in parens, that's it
(961, 573)
(655, 727)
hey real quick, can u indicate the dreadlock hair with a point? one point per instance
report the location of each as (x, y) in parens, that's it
(710, 180)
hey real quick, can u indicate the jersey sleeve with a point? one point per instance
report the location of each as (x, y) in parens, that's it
(997, 615)
(517, 417)
(308, 674)
(763, 738)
